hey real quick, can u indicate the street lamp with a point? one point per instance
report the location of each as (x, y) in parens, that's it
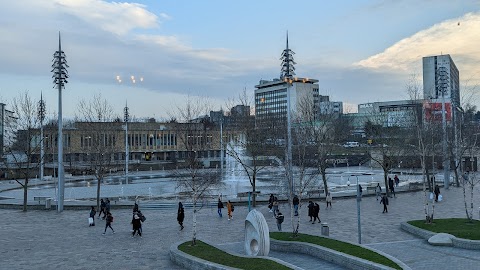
(126, 118)
(41, 116)
(359, 198)
(60, 76)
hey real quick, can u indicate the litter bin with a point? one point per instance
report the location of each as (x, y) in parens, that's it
(325, 229)
(48, 203)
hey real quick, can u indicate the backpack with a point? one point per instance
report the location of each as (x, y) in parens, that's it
(110, 218)
(142, 218)
(280, 219)
(233, 208)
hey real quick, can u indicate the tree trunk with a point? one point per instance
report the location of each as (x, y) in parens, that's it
(99, 180)
(465, 201)
(385, 178)
(324, 179)
(25, 193)
(194, 226)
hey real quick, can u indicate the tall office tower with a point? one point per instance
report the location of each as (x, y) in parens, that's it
(441, 80)
(271, 96)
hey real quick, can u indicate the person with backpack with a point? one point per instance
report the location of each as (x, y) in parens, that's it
(280, 219)
(108, 223)
(91, 219)
(136, 224)
(219, 206)
(102, 209)
(180, 215)
(230, 209)
(384, 201)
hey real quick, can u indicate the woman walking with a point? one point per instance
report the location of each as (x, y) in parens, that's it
(108, 223)
(230, 208)
(180, 215)
(91, 220)
(136, 224)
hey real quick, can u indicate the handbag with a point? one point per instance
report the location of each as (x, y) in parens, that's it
(440, 197)
(90, 221)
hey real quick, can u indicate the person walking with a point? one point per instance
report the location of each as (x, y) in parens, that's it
(384, 201)
(102, 209)
(91, 220)
(391, 186)
(108, 223)
(310, 210)
(136, 224)
(107, 206)
(219, 206)
(180, 215)
(378, 191)
(328, 199)
(316, 213)
(436, 190)
(230, 209)
(397, 180)
(280, 219)
(360, 189)
(296, 202)
(275, 206)
(270, 203)
(135, 207)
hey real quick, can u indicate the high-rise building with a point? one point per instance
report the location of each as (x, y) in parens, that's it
(7, 128)
(271, 97)
(441, 80)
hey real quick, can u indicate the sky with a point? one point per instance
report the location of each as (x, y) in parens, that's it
(360, 51)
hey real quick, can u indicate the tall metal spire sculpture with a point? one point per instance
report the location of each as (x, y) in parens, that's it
(41, 117)
(287, 73)
(60, 76)
(288, 68)
(126, 116)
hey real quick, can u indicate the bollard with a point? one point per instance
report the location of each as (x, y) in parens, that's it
(325, 229)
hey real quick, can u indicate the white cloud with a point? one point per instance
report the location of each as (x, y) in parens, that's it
(458, 37)
(115, 17)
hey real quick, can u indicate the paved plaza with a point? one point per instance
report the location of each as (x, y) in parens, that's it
(40, 239)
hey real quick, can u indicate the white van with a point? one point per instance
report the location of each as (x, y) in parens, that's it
(351, 144)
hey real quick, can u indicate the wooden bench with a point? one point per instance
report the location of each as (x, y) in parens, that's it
(41, 199)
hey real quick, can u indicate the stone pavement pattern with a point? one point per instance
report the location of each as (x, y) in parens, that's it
(51, 240)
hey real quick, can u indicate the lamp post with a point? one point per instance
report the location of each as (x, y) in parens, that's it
(41, 116)
(126, 118)
(359, 198)
(60, 76)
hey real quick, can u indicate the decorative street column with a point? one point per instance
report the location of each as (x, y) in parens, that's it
(60, 76)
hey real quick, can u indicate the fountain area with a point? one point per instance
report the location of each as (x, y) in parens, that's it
(162, 185)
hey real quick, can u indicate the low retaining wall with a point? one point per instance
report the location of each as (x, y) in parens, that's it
(457, 242)
(333, 256)
(191, 262)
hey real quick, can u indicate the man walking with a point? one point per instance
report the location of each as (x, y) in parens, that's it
(296, 202)
(384, 201)
(280, 219)
(391, 186)
(378, 191)
(219, 207)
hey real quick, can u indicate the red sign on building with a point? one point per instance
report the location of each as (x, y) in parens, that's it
(433, 111)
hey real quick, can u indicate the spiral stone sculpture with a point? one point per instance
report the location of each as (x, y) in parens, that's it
(257, 238)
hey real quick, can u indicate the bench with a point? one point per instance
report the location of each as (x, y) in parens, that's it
(41, 199)
(246, 194)
(114, 199)
(371, 189)
(46, 199)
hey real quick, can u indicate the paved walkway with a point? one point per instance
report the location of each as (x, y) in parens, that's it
(51, 240)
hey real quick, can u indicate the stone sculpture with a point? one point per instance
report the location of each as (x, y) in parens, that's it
(257, 234)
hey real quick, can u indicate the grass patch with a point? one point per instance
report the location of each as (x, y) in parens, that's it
(340, 246)
(459, 227)
(212, 254)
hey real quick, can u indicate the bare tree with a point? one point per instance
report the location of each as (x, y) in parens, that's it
(193, 134)
(99, 140)
(23, 147)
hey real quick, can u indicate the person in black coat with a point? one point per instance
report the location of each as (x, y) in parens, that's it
(180, 215)
(136, 224)
(436, 190)
(92, 215)
(391, 186)
(310, 210)
(219, 207)
(384, 201)
(316, 212)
